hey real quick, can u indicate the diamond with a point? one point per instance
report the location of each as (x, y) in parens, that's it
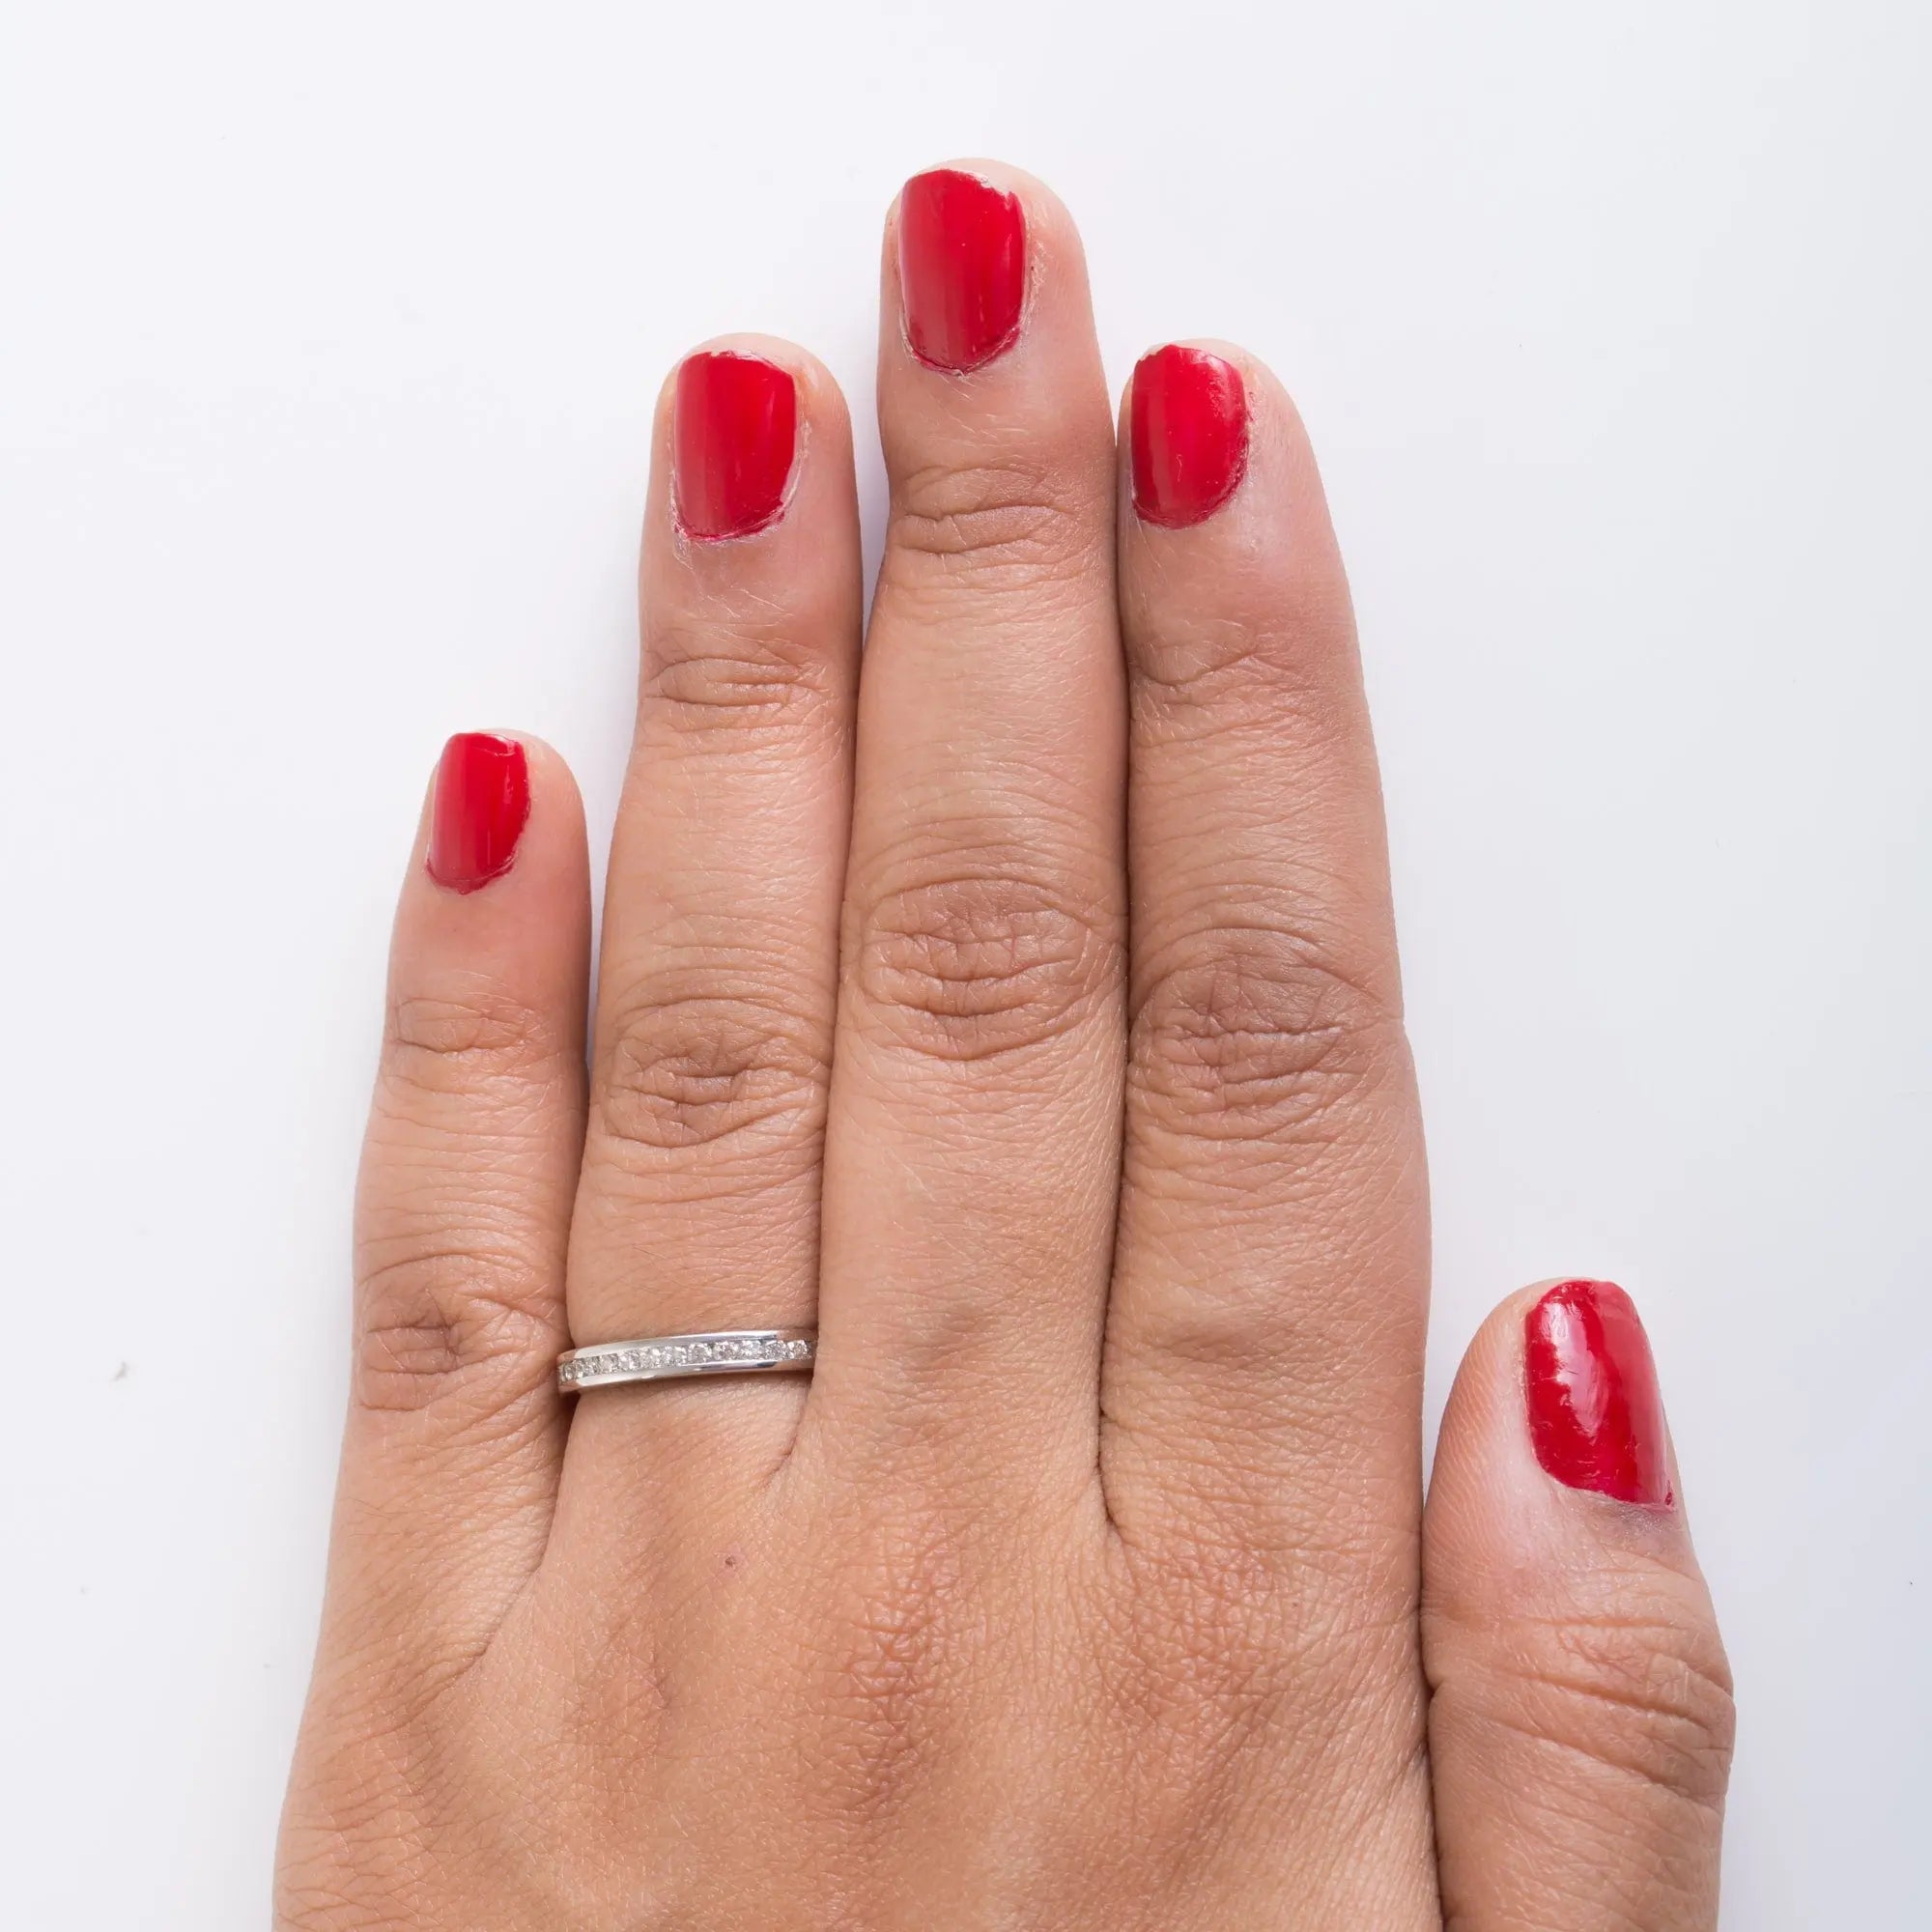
(752, 1349)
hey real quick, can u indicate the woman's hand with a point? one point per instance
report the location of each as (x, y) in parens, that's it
(1023, 1011)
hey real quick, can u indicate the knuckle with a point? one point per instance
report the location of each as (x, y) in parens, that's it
(995, 520)
(468, 1035)
(1256, 1034)
(342, 1865)
(1275, 665)
(693, 1070)
(1646, 1698)
(313, 1895)
(450, 1322)
(979, 965)
(886, 1682)
(732, 673)
(1234, 1658)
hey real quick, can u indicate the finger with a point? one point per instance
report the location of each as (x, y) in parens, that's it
(1580, 1724)
(455, 1433)
(1264, 1356)
(972, 1145)
(699, 1206)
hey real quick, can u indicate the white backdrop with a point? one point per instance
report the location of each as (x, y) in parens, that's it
(328, 337)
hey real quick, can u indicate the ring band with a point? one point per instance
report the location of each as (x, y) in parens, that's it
(661, 1358)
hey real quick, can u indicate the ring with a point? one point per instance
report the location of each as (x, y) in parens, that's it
(658, 1358)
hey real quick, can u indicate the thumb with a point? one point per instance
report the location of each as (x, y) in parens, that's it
(1580, 1717)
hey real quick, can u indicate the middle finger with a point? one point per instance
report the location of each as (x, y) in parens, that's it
(972, 1142)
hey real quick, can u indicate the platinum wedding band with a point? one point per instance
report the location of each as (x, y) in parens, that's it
(658, 1358)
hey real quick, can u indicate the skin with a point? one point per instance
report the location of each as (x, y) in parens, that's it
(1026, 1013)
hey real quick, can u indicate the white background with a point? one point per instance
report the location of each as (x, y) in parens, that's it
(328, 337)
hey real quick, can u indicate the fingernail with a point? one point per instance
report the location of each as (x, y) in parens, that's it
(1594, 1412)
(1189, 430)
(734, 437)
(482, 799)
(963, 268)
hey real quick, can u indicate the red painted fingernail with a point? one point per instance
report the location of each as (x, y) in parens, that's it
(963, 268)
(735, 435)
(1594, 1412)
(1189, 424)
(482, 799)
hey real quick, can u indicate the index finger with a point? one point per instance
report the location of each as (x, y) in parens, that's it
(1264, 1352)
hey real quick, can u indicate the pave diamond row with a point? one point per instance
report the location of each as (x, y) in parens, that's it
(653, 1358)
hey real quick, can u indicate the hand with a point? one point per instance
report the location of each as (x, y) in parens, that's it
(1025, 1014)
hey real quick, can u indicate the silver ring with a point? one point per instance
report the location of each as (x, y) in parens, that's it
(660, 1358)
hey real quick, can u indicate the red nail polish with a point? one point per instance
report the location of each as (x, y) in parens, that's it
(963, 268)
(733, 439)
(1189, 430)
(1594, 1412)
(482, 799)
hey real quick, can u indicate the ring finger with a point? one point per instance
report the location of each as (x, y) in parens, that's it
(698, 1206)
